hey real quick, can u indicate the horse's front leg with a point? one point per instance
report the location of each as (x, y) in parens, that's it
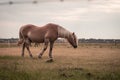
(50, 52)
(44, 49)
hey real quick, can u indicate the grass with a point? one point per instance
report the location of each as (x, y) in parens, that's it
(28, 69)
(19, 71)
(85, 63)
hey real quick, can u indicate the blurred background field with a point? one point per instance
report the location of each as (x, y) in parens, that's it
(87, 45)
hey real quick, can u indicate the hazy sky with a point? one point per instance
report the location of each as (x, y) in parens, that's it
(87, 18)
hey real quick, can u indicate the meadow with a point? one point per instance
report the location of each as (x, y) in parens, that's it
(87, 62)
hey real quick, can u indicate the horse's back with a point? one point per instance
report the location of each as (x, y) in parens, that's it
(38, 34)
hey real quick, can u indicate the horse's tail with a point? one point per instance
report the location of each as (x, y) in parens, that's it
(21, 38)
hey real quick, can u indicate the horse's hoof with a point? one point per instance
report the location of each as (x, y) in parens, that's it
(39, 57)
(22, 55)
(31, 56)
(50, 60)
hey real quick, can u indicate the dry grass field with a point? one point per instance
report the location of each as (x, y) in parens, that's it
(87, 62)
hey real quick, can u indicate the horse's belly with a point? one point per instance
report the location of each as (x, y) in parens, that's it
(37, 40)
(36, 37)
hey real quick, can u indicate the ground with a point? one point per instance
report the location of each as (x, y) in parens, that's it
(87, 62)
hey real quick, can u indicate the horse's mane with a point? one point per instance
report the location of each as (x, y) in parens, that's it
(76, 39)
(62, 32)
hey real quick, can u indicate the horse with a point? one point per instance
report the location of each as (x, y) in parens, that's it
(45, 34)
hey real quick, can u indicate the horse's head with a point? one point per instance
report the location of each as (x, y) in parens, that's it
(72, 39)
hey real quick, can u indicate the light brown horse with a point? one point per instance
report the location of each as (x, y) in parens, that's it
(46, 34)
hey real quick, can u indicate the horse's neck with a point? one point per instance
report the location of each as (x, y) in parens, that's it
(63, 33)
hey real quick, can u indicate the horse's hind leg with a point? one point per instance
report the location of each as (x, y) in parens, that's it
(44, 49)
(23, 49)
(27, 46)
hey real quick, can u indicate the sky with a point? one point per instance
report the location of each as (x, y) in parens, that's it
(98, 19)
